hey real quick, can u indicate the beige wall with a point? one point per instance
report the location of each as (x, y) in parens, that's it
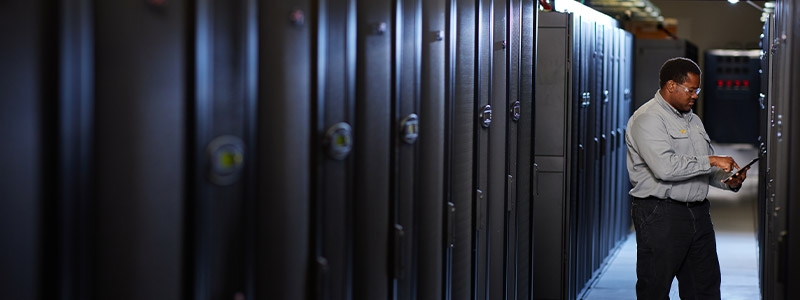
(715, 24)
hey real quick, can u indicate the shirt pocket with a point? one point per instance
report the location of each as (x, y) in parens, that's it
(680, 140)
(678, 134)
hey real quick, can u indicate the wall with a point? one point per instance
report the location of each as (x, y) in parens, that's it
(714, 25)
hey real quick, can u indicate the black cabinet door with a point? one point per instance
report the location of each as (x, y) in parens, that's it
(141, 115)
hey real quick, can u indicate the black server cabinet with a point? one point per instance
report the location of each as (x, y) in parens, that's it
(133, 160)
(282, 214)
(74, 169)
(483, 132)
(765, 275)
(295, 150)
(28, 87)
(461, 150)
(552, 122)
(334, 86)
(221, 123)
(579, 198)
(372, 143)
(583, 149)
(774, 247)
(431, 207)
(779, 269)
(141, 92)
(731, 86)
(520, 264)
(405, 110)
(492, 141)
(791, 136)
(625, 111)
(520, 68)
(485, 182)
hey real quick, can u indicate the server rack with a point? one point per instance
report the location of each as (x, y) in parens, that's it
(333, 119)
(519, 107)
(406, 67)
(219, 124)
(27, 58)
(579, 113)
(461, 146)
(779, 215)
(550, 278)
(486, 112)
(372, 148)
(626, 110)
(297, 150)
(732, 85)
(792, 110)
(763, 167)
(140, 152)
(431, 209)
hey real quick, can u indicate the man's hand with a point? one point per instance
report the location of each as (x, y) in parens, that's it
(735, 181)
(726, 163)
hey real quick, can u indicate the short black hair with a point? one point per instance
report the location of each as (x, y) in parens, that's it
(677, 69)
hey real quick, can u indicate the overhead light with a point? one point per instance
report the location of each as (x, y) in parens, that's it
(733, 1)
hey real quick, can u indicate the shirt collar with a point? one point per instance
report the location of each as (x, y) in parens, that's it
(665, 105)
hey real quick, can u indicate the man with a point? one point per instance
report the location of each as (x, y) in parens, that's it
(671, 165)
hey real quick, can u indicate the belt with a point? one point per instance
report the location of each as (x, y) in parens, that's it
(676, 202)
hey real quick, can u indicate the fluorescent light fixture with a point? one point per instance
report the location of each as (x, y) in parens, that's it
(733, 1)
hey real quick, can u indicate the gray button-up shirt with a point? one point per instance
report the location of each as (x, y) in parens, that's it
(668, 154)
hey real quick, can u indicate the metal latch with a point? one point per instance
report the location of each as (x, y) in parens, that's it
(226, 158)
(409, 129)
(516, 111)
(339, 141)
(486, 116)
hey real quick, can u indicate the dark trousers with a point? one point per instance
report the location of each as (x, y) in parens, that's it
(675, 240)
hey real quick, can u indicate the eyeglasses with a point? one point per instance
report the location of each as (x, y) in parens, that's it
(693, 91)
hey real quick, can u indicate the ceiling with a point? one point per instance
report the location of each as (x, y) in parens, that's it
(645, 10)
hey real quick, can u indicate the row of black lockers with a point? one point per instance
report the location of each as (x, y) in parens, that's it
(582, 109)
(779, 143)
(337, 149)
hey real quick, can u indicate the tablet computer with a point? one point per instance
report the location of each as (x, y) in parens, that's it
(737, 172)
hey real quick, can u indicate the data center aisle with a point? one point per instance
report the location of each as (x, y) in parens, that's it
(733, 215)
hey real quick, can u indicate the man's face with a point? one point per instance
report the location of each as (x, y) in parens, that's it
(684, 95)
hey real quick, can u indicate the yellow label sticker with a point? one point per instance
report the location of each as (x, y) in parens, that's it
(683, 131)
